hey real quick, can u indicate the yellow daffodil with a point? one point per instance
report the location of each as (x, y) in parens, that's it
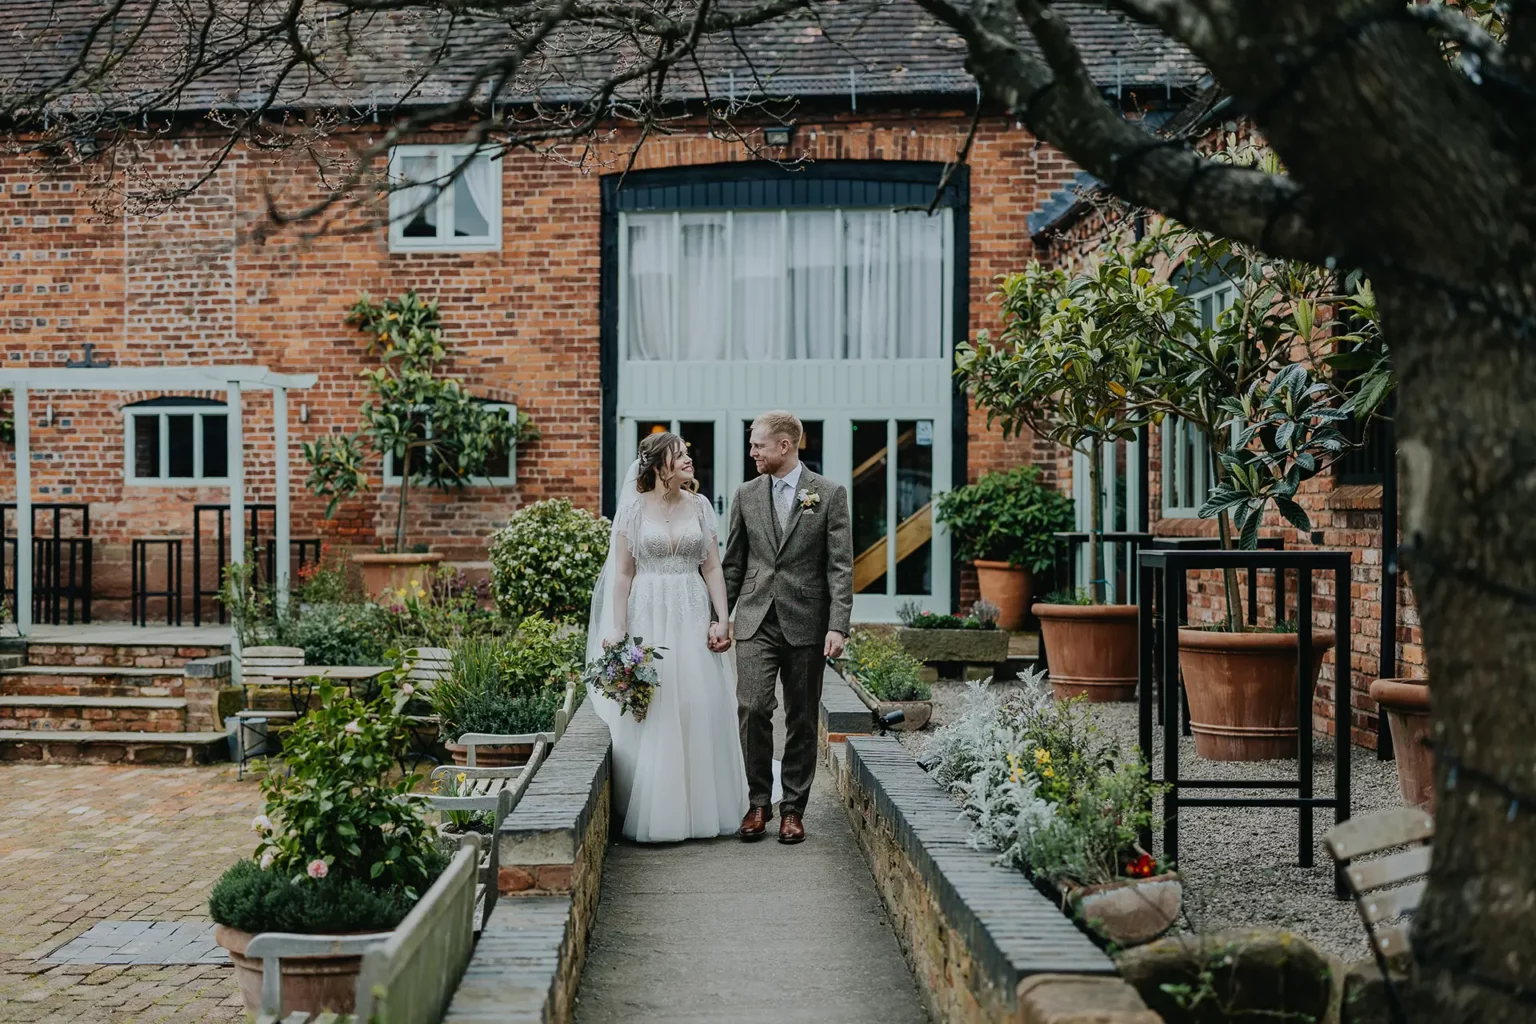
(462, 777)
(1042, 756)
(1048, 772)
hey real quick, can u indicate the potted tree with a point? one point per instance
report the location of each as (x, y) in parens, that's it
(429, 426)
(1071, 363)
(342, 848)
(1005, 525)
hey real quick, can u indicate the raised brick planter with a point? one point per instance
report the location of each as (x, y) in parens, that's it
(973, 646)
(985, 945)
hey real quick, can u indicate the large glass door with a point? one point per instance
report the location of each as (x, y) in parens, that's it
(896, 545)
(704, 438)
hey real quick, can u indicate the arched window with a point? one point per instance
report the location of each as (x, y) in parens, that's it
(176, 441)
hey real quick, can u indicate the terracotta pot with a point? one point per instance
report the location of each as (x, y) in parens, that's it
(311, 984)
(1406, 702)
(1008, 587)
(1242, 691)
(390, 572)
(915, 713)
(1130, 911)
(509, 756)
(1092, 649)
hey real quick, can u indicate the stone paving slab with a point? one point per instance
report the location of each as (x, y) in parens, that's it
(142, 942)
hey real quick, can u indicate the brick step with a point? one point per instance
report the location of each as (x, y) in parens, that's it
(163, 656)
(12, 659)
(91, 681)
(81, 747)
(94, 714)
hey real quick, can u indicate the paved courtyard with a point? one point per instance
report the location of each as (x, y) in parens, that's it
(86, 844)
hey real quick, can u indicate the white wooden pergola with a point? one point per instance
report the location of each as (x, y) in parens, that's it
(232, 380)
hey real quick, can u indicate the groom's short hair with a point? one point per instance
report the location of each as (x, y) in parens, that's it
(781, 424)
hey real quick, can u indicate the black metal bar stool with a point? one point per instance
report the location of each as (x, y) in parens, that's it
(141, 592)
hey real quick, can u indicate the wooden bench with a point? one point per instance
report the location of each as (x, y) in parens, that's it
(409, 976)
(254, 730)
(500, 804)
(488, 781)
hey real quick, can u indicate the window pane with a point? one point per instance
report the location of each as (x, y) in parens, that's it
(758, 291)
(499, 462)
(813, 286)
(179, 447)
(474, 198)
(866, 287)
(811, 448)
(919, 286)
(215, 446)
(648, 291)
(870, 466)
(422, 223)
(146, 446)
(701, 287)
(700, 439)
(914, 513)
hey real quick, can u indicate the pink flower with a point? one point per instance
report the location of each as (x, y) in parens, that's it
(353, 727)
(317, 868)
(407, 689)
(266, 860)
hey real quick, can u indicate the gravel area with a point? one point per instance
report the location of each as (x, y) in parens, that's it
(1240, 864)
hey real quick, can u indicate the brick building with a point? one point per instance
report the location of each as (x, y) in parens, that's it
(694, 290)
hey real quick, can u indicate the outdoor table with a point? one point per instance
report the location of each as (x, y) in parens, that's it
(301, 679)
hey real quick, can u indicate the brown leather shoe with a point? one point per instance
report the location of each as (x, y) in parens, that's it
(790, 828)
(755, 824)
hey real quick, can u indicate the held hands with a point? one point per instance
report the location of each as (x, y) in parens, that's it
(719, 637)
(836, 642)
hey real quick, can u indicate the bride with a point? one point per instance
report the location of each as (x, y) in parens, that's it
(678, 774)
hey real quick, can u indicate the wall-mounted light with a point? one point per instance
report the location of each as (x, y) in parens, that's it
(778, 135)
(303, 412)
(48, 415)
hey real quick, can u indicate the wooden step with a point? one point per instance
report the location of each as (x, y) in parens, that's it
(94, 714)
(91, 681)
(83, 747)
(120, 655)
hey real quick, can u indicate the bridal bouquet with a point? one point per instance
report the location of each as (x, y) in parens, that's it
(626, 672)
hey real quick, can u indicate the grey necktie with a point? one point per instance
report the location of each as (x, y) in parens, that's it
(783, 493)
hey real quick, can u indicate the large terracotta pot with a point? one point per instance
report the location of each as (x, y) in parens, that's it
(1008, 587)
(1091, 648)
(1242, 691)
(1406, 703)
(311, 984)
(391, 572)
(510, 756)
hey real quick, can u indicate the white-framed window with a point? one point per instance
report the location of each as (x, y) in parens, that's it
(1188, 474)
(176, 441)
(501, 467)
(766, 286)
(426, 212)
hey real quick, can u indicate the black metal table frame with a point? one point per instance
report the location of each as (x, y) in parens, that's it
(253, 537)
(1173, 568)
(50, 599)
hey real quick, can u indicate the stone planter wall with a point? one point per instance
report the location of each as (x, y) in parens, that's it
(984, 944)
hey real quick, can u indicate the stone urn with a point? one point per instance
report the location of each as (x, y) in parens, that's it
(1007, 586)
(916, 713)
(1242, 691)
(1406, 704)
(1091, 649)
(1128, 911)
(393, 571)
(311, 984)
(510, 755)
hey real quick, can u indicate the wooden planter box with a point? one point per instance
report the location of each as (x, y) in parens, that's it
(917, 712)
(972, 646)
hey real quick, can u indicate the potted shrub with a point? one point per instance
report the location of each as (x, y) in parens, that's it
(546, 560)
(507, 688)
(433, 430)
(1062, 804)
(974, 639)
(887, 678)
(1069, 364)
(1005, 525)
(1405, 702)
(342, 849)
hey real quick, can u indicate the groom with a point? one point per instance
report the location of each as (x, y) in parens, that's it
(789, 576)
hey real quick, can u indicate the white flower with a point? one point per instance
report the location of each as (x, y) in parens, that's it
(407, 689)
(261, 823)
(266, 860)
(354, 727)
(809, 499)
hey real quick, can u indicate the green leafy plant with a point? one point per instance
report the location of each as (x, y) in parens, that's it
(437, 433)
(457, 784)
(1006, 517)
(546, 560)
(1078, 596)
(880, 664)
(335, 633)
(253, 900)
(441, 610)
(514, 685)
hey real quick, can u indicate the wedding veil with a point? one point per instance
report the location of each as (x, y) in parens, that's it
(600, 620)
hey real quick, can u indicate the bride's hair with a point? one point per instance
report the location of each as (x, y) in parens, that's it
(658, 451)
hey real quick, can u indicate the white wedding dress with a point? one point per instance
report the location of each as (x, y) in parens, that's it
(679, 774)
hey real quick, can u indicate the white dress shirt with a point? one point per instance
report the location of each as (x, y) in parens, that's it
(784, 488)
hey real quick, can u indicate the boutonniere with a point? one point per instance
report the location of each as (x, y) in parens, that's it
(809, 500)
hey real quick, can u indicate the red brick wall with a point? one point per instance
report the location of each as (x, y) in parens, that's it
(210, 280)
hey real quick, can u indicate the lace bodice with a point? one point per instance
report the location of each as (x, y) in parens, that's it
(657, 551)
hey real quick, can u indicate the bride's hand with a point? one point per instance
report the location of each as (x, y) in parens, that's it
(613, 639)
(719, 637)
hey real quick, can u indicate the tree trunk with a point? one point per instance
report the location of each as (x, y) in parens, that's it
(1465, 419)
(1234, 596)
(405, 487)
(1095, 522)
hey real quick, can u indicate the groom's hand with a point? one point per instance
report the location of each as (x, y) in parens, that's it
(835, 644)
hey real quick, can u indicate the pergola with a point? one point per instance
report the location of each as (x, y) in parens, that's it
(232, 380)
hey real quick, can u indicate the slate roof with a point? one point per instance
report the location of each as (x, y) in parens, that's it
(841, 48)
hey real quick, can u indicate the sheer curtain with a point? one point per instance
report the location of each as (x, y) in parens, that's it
(479, 182)
(648, 298)
(866, 262)
(813, 286)
(701, 287)
(414, 208)
(758, 288)
(919, 252)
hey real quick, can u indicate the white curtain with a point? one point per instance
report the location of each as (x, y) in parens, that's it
(758, 288)
(919, 250)
(701, 287)
(648, 290)
(479, 182)
(866, 259)
(813, 286)
(412, 199)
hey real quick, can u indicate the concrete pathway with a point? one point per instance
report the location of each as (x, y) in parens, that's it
(723, 930)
